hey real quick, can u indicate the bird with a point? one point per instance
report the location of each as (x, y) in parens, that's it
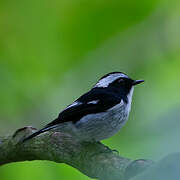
(98, 114)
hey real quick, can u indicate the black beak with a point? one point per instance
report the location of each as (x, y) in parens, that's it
(135, 82)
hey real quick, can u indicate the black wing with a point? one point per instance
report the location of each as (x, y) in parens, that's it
(94, 101)
(89, 103)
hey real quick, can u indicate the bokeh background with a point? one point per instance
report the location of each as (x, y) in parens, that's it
(53, 51)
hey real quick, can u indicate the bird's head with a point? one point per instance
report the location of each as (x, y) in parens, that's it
(118, 81)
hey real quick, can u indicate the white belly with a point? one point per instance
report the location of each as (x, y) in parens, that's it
(96, 127)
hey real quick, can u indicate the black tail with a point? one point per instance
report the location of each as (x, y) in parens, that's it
(39, 132)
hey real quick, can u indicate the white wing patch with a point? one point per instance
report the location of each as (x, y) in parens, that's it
(76, 103)
(109, 79)
(93, 102)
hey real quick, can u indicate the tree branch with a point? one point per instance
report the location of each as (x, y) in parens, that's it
(93, 159)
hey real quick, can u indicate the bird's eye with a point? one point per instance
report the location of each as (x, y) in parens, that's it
(120, 80)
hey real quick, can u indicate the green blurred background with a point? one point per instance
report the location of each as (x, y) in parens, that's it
(53, 51)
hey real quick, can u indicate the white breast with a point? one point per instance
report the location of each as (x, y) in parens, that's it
(102, 125)
(129, 96)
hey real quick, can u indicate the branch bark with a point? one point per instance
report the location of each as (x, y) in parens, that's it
(93, 159)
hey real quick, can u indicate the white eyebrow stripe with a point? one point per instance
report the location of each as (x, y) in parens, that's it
(93, 102)
(76, 103)
(109, 79)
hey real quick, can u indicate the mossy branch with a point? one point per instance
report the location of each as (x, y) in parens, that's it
(92, 159)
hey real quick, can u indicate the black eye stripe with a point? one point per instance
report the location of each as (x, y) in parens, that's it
(123, 80)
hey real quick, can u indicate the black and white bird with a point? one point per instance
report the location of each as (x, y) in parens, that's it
(99, 113)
